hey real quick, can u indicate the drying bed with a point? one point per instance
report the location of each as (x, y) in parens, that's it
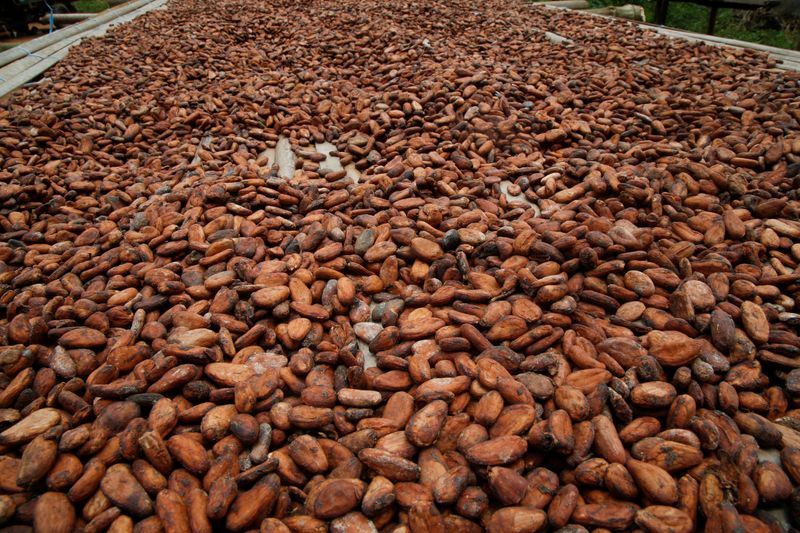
(413, 266)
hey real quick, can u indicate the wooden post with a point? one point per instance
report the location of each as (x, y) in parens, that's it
(661, 11)
(712, 20)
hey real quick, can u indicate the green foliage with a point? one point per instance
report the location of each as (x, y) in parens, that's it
(90, 6)
(730, 22)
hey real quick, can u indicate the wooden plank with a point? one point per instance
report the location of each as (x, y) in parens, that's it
(570, 4)
(26, 49)
(20, 72)
(19, 66)
(715, 39)
(787, 59)
(789, 65)
(284, 156)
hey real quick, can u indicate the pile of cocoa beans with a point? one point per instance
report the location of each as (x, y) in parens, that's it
(558, 291)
